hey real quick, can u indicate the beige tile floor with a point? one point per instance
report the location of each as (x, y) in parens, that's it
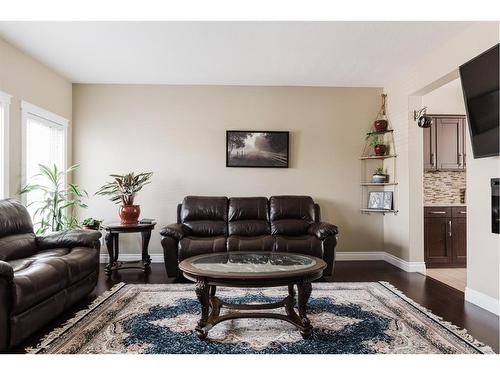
(454, 277)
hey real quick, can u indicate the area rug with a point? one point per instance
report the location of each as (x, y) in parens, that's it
(347, 318)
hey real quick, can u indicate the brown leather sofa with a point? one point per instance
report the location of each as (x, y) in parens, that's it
(40, 277)
(217, 224)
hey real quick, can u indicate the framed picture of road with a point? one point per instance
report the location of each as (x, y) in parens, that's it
(260, 149)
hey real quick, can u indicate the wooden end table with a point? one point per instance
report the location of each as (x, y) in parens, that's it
(113, 231)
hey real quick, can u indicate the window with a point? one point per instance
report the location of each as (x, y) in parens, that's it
(44, 142)
(4, 144)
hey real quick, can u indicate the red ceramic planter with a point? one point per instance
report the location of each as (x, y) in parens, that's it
(129, 214)
(380, 125)
(380, 150)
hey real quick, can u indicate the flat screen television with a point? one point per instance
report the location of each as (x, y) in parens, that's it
(479, 78)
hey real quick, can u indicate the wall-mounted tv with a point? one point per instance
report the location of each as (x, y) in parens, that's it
(479, 79)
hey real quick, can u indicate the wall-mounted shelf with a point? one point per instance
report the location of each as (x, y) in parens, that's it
(369, 210)
(381, 132)
(378, 184)
(369, 160)
(377, 157)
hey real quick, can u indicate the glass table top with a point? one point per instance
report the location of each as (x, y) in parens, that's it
(253, 262)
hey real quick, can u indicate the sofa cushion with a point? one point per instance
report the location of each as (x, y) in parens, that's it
(17, 246)
(252, 208)
(81, 262)
(291, 215)
(37, 281)
(14, 218)
(204, 208)
(206, 228)
(191, 246)
(244, 243)
(305, 244)
(205, 216)
(289, 227)
(47, 272)
(248, 216)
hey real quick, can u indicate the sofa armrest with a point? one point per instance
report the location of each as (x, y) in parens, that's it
(69, 238)
(323, 230)
(6, 271)
(177, 231)
(6, 289)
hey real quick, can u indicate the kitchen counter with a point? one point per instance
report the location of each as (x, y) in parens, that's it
(445, 204)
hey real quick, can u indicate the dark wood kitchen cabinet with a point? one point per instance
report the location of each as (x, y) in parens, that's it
(444, 143)
(445, 236)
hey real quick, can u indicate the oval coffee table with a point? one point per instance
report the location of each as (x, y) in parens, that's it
(252, 270)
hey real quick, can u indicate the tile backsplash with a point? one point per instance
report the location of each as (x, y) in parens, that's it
(444, 187)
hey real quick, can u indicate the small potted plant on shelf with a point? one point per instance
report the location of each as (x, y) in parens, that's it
(379, 176)
(122, 190)
(91, 224)
(379, 147)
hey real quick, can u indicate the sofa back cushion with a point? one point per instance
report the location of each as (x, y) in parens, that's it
(248, 216)
(291, 214)
(17, 239)
(205, 216)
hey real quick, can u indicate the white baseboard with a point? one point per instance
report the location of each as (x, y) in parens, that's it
(482, 300)
(155, 258)
(340, 256)
(382, 255)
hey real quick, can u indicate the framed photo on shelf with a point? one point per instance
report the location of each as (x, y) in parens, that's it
(380, 200)
(376, 200)
(387, 200)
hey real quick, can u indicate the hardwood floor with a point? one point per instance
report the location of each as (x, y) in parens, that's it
(443, 300)
(454, 277)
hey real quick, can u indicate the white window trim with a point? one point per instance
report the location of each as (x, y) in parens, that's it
(31, 109)
(4, 138)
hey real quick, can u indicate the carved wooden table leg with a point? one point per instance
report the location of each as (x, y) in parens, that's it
(304, 292)
(109, 244)
(202, 292)
(213, 289)
(146, 259)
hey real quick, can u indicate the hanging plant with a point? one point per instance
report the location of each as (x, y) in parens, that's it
(381, 122)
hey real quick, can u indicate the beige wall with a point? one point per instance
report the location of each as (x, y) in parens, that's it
(445, 101)
(178, 132)
(26, 79)
(403, 234)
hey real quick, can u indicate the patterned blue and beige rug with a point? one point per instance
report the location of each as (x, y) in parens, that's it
(347, 318)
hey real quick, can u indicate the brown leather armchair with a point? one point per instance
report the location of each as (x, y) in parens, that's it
(217, 224)
(40, 277)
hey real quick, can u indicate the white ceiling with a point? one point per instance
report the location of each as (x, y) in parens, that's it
(229, 53)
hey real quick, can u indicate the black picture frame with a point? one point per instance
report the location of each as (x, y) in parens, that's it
(279, 150)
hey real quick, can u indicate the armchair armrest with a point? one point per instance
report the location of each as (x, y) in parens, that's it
(322, 230)
(177, 231)
(69, 238)
(6, 271)
(6, 291)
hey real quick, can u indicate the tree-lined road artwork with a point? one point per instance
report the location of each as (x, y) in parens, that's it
(257, 149)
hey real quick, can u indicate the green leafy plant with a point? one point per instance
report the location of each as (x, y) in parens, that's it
(379, 170)
(92, 223)
(375, 139)
(55, 211)
(123, 188)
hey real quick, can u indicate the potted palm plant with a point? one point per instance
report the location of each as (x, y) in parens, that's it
(123, 189)
(57, 201)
